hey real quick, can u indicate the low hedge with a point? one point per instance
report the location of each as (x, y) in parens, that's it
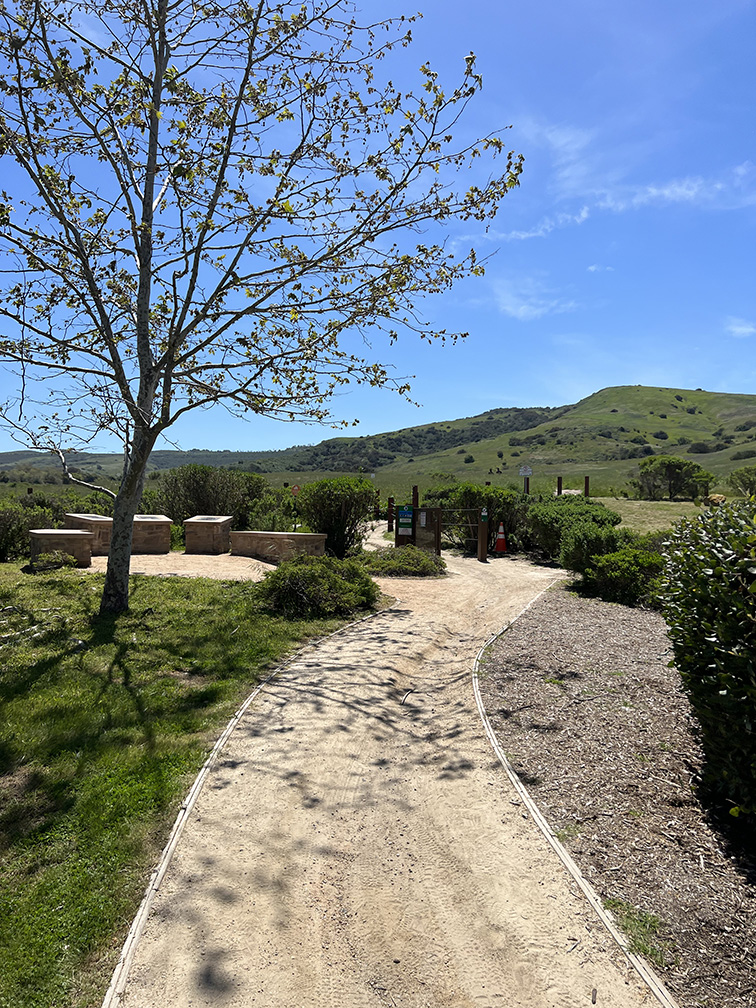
(403, 561)
(629, 576)
(318, 588)
(584, 541)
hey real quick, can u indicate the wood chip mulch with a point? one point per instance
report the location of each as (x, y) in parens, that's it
(594, 722)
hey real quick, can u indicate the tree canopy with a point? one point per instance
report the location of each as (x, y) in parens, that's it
(213, 204)
(677, 477)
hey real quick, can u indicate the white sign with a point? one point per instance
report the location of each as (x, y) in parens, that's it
(526, 471)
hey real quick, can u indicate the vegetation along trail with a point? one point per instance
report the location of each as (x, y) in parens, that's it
(357, 844)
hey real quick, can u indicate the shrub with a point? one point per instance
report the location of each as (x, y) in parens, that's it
(709, 601)
(548, 522)
(404, 561)
(744, 454)
(201, 489)
(629, 576)
(660, 435)
(585, 540)
(340, 508)
(51, 562)
(318, 587)
(15, 521)
(468, 458)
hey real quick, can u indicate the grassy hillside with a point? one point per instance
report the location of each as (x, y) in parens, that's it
(602, 436)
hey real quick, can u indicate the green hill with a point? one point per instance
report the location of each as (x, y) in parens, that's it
(601, 436)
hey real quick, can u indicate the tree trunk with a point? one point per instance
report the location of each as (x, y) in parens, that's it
(115, 594)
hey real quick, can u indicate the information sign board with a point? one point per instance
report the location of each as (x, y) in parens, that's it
(404, 521)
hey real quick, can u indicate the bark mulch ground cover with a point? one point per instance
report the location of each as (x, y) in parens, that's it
(595, 723)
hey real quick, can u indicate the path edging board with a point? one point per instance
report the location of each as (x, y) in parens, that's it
(641, 967)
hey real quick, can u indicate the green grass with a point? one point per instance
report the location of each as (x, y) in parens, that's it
(650, 516)
(104, 724)
(643, 930)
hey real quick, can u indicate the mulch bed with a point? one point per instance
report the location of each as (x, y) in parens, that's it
(595, 723)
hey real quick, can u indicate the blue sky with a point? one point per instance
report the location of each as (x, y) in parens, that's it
(627, 254)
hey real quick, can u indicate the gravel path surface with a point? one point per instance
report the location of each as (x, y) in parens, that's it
(596, 726)
(357, 844)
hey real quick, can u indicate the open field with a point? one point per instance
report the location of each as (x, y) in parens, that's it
(650, 516)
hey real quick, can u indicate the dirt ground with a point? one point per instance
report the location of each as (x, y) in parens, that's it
(357, 843)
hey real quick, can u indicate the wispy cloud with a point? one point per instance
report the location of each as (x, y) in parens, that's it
(583, 164)
(739, 327)
(596, 268)
(546, 226)
(528, 298)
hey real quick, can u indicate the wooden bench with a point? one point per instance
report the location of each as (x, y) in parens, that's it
(274, 547)
(76, 542)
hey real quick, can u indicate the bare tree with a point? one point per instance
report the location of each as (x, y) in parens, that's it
(205, 203)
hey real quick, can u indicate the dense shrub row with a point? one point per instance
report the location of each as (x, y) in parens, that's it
(708, 597)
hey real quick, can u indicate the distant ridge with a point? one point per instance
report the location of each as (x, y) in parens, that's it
(608, 429)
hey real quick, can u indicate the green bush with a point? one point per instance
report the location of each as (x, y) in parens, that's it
(54, 561)
(404, 561)
(585, 540)
(708, 598)
(318, 587)
(629, 576)
(548, 522)
(15, 521)
(340, 508)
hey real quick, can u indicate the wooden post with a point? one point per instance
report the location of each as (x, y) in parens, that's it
(559, 486)
(415, 497)
(526, 484)
(390, 509)
(586, 491)
(483, 535)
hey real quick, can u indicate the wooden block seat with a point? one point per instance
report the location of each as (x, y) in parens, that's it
(277, 546)
(208, 534)
(99, 525)
(76, 542)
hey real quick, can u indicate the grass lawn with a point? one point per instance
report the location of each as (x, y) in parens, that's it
(650, 516)
(103, 724)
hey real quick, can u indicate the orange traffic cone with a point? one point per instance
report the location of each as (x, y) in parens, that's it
(501, 539)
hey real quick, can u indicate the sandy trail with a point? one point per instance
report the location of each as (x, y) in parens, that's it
(357, 844)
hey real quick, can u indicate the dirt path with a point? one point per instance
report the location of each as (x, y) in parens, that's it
(357, 844)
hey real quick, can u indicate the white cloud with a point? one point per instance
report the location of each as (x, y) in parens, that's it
(740, 328)
(596, 268)
(528, 299)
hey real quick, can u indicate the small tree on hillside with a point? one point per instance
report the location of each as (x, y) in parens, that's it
(670, 475)
(743, 481)
(212, 204)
